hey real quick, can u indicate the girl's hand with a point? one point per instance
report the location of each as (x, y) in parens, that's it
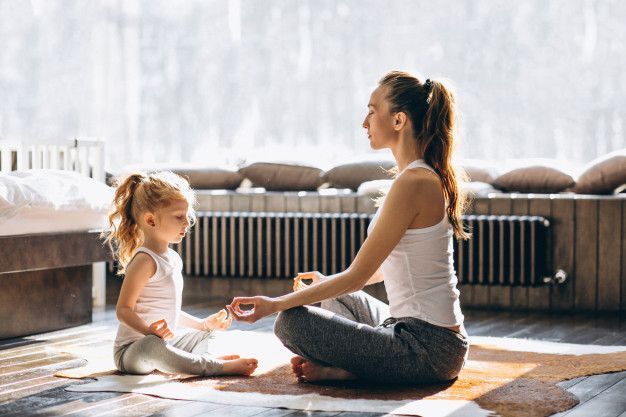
(159, 328)
(251, 309)
(218, 321)
(312, 275)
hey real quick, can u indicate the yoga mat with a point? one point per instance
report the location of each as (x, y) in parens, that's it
(512, 377)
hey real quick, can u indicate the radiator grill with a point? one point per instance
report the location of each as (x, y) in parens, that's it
(272, 245)
(504, 250)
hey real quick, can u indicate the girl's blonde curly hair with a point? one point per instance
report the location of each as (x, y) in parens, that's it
(136, 194)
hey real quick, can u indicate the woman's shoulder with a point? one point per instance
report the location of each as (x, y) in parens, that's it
(417, 179)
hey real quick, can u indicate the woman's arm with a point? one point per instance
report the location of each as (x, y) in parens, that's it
(138, 272)
(396, 215)
(376, 278)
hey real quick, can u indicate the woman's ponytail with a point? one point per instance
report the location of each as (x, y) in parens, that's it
(437, 144)
(430, 107)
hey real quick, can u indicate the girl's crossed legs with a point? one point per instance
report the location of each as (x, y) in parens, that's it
(184, 354)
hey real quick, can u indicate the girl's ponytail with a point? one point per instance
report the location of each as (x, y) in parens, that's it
(123, 228)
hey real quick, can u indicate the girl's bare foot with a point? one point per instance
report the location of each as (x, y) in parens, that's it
(307, 371)
(239, 366)
(229, 357)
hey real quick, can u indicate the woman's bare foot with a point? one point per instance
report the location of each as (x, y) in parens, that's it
(307, 371)
(238, 366)
(296, 367)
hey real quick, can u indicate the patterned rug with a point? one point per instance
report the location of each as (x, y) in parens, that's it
(510, 377)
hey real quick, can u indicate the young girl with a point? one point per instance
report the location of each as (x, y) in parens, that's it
(150, 212)
(419, 336)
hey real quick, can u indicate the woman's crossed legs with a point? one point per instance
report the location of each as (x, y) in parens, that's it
(345, 339)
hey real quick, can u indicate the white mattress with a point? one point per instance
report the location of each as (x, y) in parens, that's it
(37, 220)
(49, 201)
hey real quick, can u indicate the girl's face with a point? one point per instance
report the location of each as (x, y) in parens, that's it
(379, 122)
(172, 221)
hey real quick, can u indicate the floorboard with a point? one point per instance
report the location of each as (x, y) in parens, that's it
(27, 386)
(595, 384)
(610, 402)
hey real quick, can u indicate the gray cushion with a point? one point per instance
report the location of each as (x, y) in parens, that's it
(210, 178)
(603, 175)
(480, 174)
(534, 179)
(283, 176)
(354, 174)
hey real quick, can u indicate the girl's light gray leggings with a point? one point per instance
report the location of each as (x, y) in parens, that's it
(354, 332)
(185, 354)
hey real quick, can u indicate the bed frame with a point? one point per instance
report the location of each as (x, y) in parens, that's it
(51, 281)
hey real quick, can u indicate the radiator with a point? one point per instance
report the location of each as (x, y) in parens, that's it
(504, 250)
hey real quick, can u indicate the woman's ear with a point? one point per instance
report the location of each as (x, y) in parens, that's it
(399, 120)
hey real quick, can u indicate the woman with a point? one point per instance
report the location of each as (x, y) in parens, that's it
(420, 336)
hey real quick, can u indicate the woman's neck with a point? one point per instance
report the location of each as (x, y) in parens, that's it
(406, 152)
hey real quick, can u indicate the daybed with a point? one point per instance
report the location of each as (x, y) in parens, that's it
(51, 257)
(539, 243)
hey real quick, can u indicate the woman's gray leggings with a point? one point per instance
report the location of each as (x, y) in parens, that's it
(185, 354)
(354, 332)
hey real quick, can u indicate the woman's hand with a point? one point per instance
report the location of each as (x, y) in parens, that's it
(218, 321)
(160, 328)
(314, 276)
(251, 309)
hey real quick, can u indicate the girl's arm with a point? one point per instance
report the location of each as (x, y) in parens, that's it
(396, 216)
(217, 321)
(138, 272)
(189, 321)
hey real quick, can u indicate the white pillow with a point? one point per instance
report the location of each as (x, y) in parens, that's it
(477, 188)
(374, 188)
(52, 189)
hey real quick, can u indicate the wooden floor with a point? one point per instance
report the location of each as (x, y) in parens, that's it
(27, 386)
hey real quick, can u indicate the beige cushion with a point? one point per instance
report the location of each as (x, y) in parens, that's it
(354, 174)
(534, 179)
(603, 175)
(283, 176)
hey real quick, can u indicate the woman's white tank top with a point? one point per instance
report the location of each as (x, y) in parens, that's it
(419, 272)
(160, 298)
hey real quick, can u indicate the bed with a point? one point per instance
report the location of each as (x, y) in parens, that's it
(53, 203)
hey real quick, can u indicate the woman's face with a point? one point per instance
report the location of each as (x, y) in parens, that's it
(379, 121)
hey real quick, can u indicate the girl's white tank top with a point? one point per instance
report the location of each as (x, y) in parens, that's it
(160, 298)
(419, 274)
